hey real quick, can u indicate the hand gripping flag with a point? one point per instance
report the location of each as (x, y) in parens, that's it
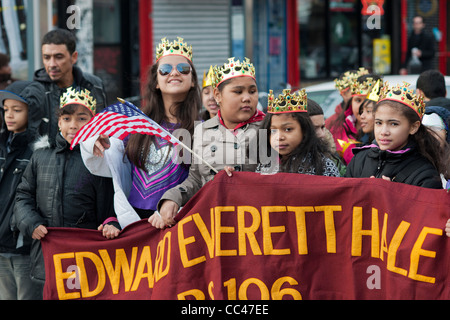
(122, 119)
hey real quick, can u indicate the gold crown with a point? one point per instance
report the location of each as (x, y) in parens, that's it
(401, 93)
(348, 78)
(374, 94)
(76, 96)
(363, 88)
(177, 48)
(287, 102)
(233, 69)
(208, 78)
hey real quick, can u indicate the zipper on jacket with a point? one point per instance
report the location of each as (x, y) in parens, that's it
(381, 163)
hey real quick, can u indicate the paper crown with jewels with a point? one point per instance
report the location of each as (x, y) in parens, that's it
(363, 88)
(208, 78)
(232, 69)
(176, 48)
(403, 94)
(348, 78)
(374, 94)
(287, 102)
(78, 96)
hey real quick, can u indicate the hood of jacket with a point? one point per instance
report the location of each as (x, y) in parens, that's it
(42, 76)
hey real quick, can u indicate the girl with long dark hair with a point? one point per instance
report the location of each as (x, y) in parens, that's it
(145, 167)
(292, 135)
(405, 151)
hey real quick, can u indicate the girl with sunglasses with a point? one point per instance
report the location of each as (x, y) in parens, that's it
(223, 140)
(144, 167)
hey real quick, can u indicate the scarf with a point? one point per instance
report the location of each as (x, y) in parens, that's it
(258, 116)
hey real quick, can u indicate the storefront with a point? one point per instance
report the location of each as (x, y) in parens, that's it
(291, 42)
(339, 35)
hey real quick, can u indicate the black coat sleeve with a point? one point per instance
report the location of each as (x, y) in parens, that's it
(26, 214)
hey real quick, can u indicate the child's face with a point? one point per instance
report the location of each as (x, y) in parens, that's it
(208, 100)
(16, 115)
(175, 84)
(392, 128)
(238, 101)
(367, 118)
(318, 122)
(70, 124)
(285, 134)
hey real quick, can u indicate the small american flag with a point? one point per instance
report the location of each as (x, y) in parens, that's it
(118, 121)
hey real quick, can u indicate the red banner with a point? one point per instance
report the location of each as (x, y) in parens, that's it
(285, 236)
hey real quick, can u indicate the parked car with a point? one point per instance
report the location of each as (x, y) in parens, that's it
(326, 95)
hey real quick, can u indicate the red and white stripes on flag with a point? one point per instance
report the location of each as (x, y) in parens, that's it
(119, 121)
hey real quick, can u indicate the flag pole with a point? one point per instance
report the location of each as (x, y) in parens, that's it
(178, 141)
(197, 156)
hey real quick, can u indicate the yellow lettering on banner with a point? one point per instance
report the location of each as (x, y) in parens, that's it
(248, 232)
(85, 291)
(384, 246)
(210, 290)
(207, 236)
(144, 262)
(330, 229)
(278, 293)
(183, 242)
(393, 247)
(268, 230)
(417, 251)
(197, 294)
(163, 255)
(121, 266)
(300, 221)
(265, 294)
(231, 289)
(220, 229)
(60, 276)
(358, 233)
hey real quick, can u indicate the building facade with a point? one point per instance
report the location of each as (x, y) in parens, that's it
(291, 42)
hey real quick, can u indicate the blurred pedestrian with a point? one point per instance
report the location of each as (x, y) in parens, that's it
(421, 52)
(57, 190)
(21, 106)
(59, 73)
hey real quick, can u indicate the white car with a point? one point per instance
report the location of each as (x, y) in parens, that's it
(326, 95)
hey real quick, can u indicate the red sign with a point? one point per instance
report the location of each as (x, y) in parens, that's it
(371, 7)
(285, 236)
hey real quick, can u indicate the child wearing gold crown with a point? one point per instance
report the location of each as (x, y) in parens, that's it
(292, 136)
(144, 167)
(209, 102)
(346, 129)
(223, 140)
(405, 151)
(57, 190)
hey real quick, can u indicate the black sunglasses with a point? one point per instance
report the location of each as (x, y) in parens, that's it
(166, 69)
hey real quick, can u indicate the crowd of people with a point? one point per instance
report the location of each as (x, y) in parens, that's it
(378, 131)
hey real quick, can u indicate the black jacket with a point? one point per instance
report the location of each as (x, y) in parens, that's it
(425, 43)
(58, 191)
(405, 166)
(15, 153)
(53, 93)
